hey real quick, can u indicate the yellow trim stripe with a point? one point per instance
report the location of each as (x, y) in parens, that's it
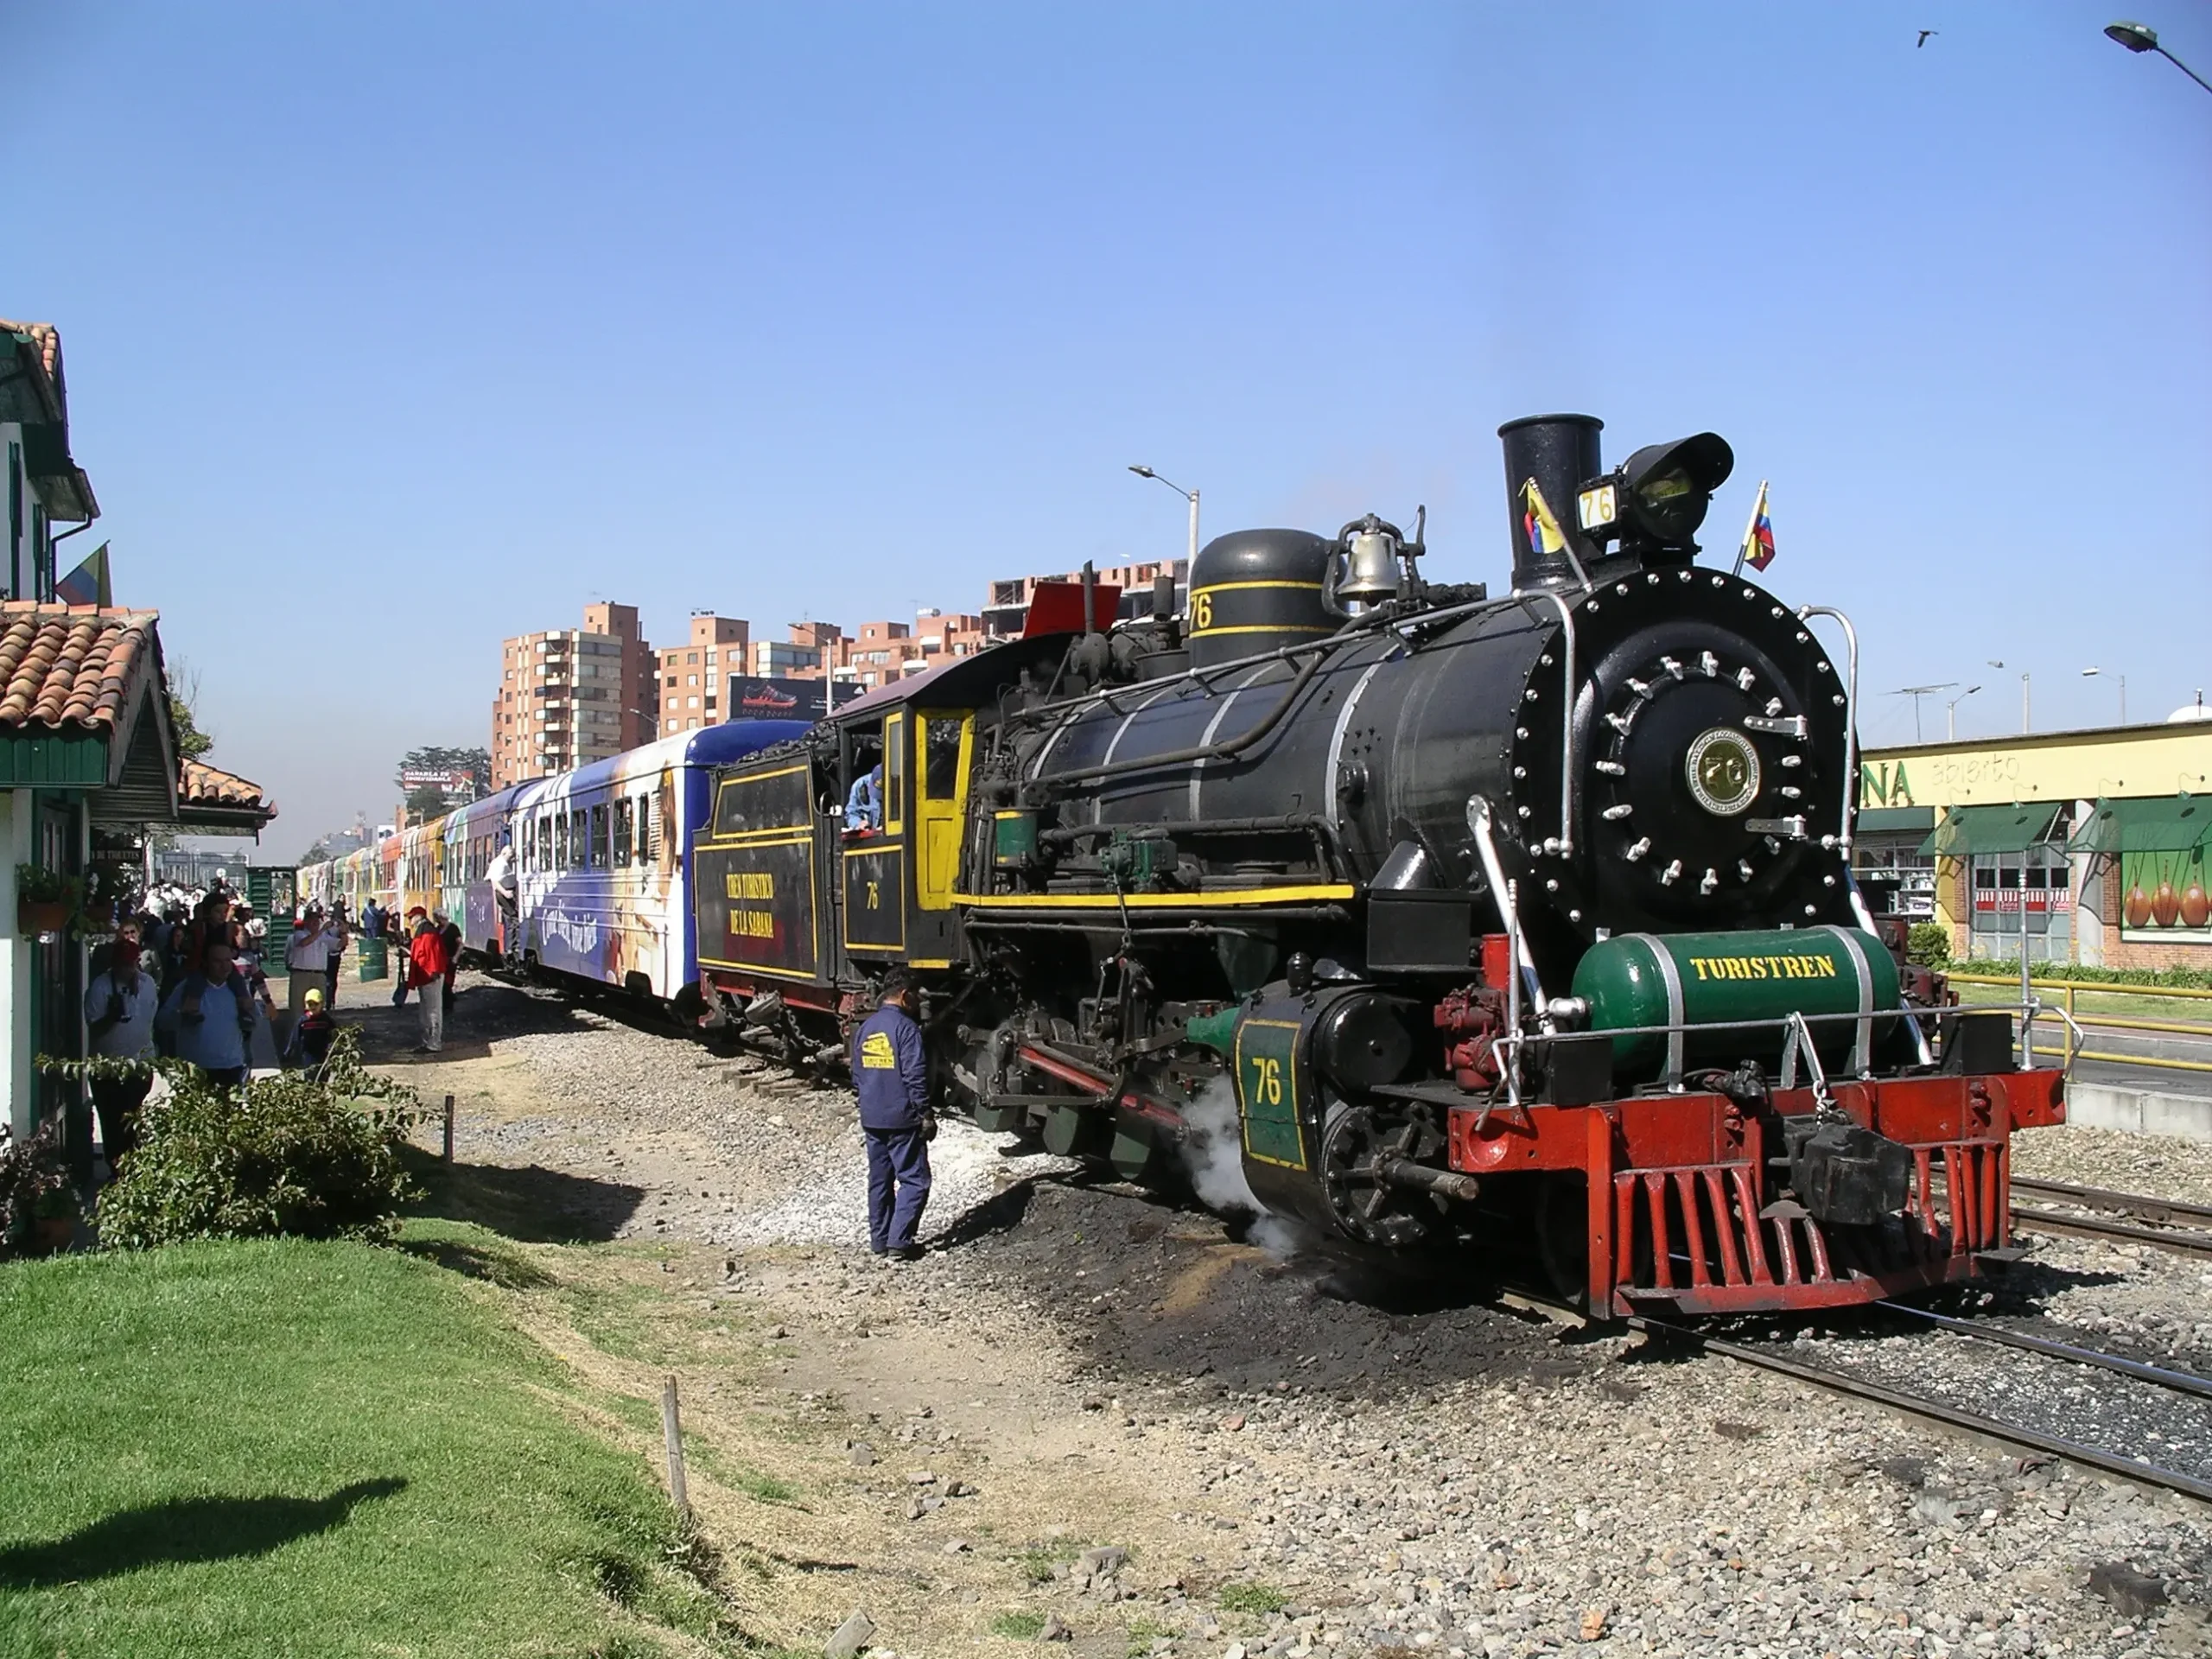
(760, 777)
(756, 968)
(746, 840)
(1263, 627)
(897, 845)
(1236, 587)
(1154, 900)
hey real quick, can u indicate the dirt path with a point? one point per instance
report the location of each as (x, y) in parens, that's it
(1269, 1466)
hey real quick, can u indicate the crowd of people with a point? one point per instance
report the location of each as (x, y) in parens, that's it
(189, 977)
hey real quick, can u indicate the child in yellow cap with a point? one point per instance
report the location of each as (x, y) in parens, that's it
(317, 1030)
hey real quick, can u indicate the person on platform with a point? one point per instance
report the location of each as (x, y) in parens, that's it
(450, 930)
(340, 927)
(307, 958)
(211, 1016)
(316, 1030)
(892, 1077)
(864, 805)
(426, 976)
(119, 1008)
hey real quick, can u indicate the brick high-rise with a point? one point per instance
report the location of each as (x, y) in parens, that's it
(570, 695)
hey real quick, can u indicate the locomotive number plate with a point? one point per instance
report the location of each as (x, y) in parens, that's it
(1723, 772)
(1267, 1091)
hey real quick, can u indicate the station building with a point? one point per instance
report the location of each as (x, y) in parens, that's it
(2090, 845)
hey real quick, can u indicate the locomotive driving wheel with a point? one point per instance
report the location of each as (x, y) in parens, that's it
(1358, 1147)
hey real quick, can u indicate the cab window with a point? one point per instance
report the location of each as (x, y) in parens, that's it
(940, 757)
(894, 772)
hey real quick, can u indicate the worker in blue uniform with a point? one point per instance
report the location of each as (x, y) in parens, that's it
(891, 1076)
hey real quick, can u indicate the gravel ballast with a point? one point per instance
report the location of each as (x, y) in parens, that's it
(1338, 1468)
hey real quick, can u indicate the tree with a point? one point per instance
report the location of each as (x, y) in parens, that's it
(182, 691)
(425, 801)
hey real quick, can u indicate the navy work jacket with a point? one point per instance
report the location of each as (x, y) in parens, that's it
(888, 1071)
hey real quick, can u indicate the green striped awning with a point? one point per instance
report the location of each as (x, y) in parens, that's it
(2014, 828)
(2162, 823)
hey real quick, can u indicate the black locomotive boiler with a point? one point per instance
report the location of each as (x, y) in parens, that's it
(1478, 917)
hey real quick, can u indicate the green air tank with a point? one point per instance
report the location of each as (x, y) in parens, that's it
(1699, 979)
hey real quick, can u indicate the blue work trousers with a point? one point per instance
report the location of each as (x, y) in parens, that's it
(898, 1186)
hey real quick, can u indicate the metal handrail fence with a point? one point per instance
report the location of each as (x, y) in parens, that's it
(2076, 1018)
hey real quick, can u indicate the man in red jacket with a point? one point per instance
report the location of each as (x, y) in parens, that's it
(427, 958)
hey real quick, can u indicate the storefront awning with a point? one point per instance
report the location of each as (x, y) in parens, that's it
(2162, 823)
(2012, 828)
(1896, 820)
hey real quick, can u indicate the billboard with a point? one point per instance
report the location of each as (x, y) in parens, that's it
(2163, 898)
(752, 697)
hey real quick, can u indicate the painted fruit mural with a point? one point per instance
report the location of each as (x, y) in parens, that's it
(2195, 908)
(2165, 888)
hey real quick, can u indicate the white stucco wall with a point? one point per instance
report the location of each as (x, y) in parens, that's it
(16, 955)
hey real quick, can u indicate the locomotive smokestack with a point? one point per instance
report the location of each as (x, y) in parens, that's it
(1560, 453)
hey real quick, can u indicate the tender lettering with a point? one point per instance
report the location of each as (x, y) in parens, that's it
(1766, 967)
(753, 924)
(749, 884)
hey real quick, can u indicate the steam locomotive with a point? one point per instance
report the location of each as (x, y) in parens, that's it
(1515, 919)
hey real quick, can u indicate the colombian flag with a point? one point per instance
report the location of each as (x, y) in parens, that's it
(88, 583)
(1537, 525)
(1759, 540)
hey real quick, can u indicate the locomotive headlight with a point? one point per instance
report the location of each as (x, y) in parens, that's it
(1656, 501)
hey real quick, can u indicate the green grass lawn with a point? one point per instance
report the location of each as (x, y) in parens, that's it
(282, 1448)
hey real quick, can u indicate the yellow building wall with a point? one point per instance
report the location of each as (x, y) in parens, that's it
(2057, 767)
(2132, 761)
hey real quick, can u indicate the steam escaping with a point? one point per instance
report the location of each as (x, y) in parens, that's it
(1213, 1153)
(1214, 1149)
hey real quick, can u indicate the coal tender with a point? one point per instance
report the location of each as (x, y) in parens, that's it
(1467, 927)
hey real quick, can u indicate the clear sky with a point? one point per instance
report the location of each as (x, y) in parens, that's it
(395, 329)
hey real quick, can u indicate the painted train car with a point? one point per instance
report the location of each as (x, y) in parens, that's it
(603, 859)
(604, 854)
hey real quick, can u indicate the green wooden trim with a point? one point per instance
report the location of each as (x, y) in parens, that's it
(52, 761)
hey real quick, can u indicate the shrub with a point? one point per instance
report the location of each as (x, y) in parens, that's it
(34, 1186)
(1927, 944)
(2082, 973)
(1252, 1598)
(312, 1156)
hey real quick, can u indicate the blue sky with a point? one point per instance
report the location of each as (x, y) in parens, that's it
(394, 330)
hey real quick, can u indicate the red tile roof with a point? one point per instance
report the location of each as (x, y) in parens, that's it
(201, 784)
(46, 337)
(63, 667)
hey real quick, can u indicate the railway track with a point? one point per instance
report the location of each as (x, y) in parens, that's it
(2162, 1223)
(1836, 1380)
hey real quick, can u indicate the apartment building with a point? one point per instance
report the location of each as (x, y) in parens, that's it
(570, 695)
(1009, 599)
(694, 687)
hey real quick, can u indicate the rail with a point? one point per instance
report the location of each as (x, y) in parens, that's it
(2071, 1051)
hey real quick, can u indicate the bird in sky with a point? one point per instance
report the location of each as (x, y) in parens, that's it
(1923, 40)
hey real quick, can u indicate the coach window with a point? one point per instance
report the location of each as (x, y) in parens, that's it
(597, 842)
(560, 856)
(622, 832)
(579, 828)
(644, 820)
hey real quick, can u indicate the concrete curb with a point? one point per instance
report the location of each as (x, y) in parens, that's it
(2145, 1111)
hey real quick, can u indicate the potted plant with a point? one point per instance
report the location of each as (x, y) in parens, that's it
(38, 1201)
(45, 900)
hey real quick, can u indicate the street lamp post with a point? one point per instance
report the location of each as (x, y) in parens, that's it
(2137, 37)
(1951, 714)
(2091, 673)
(1997, 662)
(1191, 496)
